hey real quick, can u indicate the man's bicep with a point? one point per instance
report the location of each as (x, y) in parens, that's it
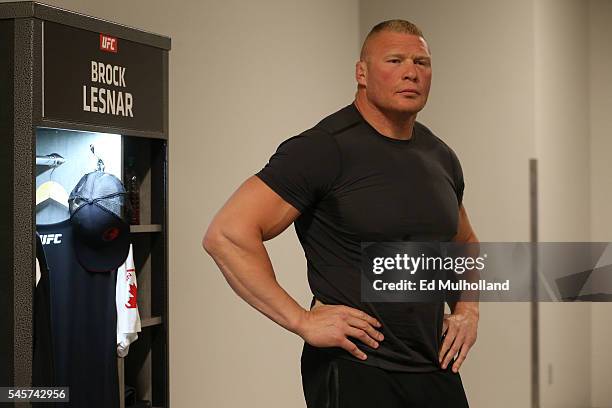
(255, 208)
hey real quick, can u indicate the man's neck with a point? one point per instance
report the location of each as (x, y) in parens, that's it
(395, 126)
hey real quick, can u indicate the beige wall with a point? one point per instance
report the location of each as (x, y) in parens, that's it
(562, 146)
(572, 127)
(247, 75)
(482, 105)
(601, 187)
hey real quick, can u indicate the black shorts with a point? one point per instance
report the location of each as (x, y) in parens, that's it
(335, 382)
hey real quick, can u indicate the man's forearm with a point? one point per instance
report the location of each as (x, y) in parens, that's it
(468, 302)
(246, 266)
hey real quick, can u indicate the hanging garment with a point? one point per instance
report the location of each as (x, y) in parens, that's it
(128, 318)
(42, 359)
(83, 323)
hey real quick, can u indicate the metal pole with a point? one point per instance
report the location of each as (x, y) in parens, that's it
(535, 335)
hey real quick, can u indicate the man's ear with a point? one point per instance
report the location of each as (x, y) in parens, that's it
(361, 73)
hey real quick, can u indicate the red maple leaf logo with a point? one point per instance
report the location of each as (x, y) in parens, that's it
(131, 304)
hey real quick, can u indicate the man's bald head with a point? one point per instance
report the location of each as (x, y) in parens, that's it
(397, 26)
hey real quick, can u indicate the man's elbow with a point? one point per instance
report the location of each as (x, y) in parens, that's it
(212, 240)
(219, 237)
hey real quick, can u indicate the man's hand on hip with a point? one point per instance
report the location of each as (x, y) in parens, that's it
(460, 330)
(331, 325)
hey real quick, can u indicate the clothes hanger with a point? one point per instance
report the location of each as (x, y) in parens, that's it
(51, 192)
(51, 201)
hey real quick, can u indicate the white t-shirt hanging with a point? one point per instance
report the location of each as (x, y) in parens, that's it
(128, 318)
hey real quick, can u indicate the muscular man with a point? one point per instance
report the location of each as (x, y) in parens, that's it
(368, 172)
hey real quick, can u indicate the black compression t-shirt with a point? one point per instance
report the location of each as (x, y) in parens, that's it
(352, 184)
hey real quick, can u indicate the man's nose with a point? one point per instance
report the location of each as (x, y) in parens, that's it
(410, 71)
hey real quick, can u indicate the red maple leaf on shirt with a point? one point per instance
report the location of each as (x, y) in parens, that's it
(131, 304)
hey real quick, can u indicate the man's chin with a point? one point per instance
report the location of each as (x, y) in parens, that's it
(400, 108)
(405, 109)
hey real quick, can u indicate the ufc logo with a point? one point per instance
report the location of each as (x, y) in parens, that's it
(108, 43)
(51, 239)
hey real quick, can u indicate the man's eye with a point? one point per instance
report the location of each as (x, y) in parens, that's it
(422, 62)
(395, 60)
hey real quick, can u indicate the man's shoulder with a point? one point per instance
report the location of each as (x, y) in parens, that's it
(433, 142)
(430, 137)
(339, 121)
(326, 129)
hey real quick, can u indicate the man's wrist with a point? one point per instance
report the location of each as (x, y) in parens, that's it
(296, 324)
(464, 307)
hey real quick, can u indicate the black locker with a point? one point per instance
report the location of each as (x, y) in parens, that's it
(67, 79)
